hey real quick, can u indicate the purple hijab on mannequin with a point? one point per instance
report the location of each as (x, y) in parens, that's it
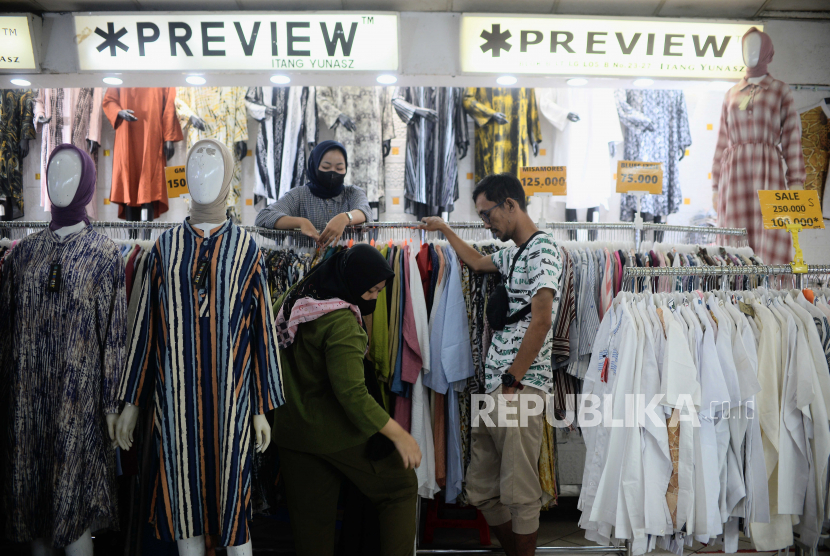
(75, 211)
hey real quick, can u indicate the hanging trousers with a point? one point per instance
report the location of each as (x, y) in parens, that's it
(312, 484)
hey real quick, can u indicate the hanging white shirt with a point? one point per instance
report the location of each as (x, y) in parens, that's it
(582, 147)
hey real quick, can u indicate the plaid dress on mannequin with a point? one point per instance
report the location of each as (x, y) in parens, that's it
(759, 133)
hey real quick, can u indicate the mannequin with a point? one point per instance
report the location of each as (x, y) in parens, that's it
(759, 148)
(209, 171)
(63, 177)
(146, 128)
(66, 265)
(217, 113)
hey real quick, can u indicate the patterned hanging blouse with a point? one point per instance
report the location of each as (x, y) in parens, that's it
(206, 350)
(61, 354)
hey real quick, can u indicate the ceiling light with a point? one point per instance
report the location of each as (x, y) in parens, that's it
(196, 80)
(577, 81)
(280, 79)
(506, 80)
(387, 79)
(21, 82)
(643, 82)
(113, 81)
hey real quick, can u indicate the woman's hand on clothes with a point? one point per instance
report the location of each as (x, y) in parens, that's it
(404, 443)
(308, 229)
(334, 229)
(409, 450)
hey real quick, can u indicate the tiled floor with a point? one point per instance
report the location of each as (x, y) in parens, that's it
(558, 527)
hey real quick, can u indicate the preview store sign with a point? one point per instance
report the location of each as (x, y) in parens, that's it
(16, 52)
(237, 41)
(608, 47)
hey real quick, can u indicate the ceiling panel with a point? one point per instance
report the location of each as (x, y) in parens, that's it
(21, 6)
(500, 6)
(633, 8)
(85, 5)
(293, 5)
(398, 5)
(799, 5)
(715, 9)
(201, 5)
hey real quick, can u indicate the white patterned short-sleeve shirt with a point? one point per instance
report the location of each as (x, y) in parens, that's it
(540, 266)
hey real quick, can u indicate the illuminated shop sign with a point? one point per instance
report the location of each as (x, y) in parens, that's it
(16, 50)
(606, 47)
(238, 41)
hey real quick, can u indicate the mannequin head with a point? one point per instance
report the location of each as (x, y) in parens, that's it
(757, 51)
(63, 175)
(70, 183)
(209, 172)
(752, 49)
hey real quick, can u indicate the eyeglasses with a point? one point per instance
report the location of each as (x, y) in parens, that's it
(485, 214)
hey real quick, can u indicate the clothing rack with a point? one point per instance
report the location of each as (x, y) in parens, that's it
(681, 234)
(717, 271)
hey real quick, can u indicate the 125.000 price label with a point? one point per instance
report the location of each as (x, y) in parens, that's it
(544, 179)
(790, 207)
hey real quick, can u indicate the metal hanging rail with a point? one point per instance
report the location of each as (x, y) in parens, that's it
(718, 271)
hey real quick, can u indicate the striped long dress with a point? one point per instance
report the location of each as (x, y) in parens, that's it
(209, 356)
(61, 355)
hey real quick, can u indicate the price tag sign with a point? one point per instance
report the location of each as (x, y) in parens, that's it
(176, 181)
(780, 208)
(639, 176)
(544, 179)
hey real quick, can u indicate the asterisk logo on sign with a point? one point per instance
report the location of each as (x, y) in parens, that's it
(496, 40)
(111, 38)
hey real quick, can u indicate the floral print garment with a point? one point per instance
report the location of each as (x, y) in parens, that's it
(371, 111)
(656, 130)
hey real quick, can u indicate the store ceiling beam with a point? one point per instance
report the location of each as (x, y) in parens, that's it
(714, 9)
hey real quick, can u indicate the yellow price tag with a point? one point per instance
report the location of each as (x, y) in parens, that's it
(544, 179)
(176, 181)
(639, 176)
(794, 206)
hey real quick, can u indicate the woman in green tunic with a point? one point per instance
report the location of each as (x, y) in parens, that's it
(330, 427)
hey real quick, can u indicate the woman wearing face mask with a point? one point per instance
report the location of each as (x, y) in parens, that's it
(330, 427)
(324, 203)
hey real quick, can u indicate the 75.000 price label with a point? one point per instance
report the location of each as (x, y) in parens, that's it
(639, 176)
(790, 207)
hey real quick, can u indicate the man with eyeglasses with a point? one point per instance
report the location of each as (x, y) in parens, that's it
(503, 476)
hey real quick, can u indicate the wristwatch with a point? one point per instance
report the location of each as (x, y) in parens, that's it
(510, 381)
(351, 218)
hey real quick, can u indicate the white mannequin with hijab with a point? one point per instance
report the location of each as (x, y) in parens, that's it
(206, 178)
(63, 179)
(752, 53)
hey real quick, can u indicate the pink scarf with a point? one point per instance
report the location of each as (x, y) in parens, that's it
(767, 52)
(307, 309)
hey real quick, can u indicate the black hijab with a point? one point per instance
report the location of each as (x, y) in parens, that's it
(314, 159)
(346, 275)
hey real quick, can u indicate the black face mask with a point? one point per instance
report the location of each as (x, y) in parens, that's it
(367, 307)
(331, 180)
